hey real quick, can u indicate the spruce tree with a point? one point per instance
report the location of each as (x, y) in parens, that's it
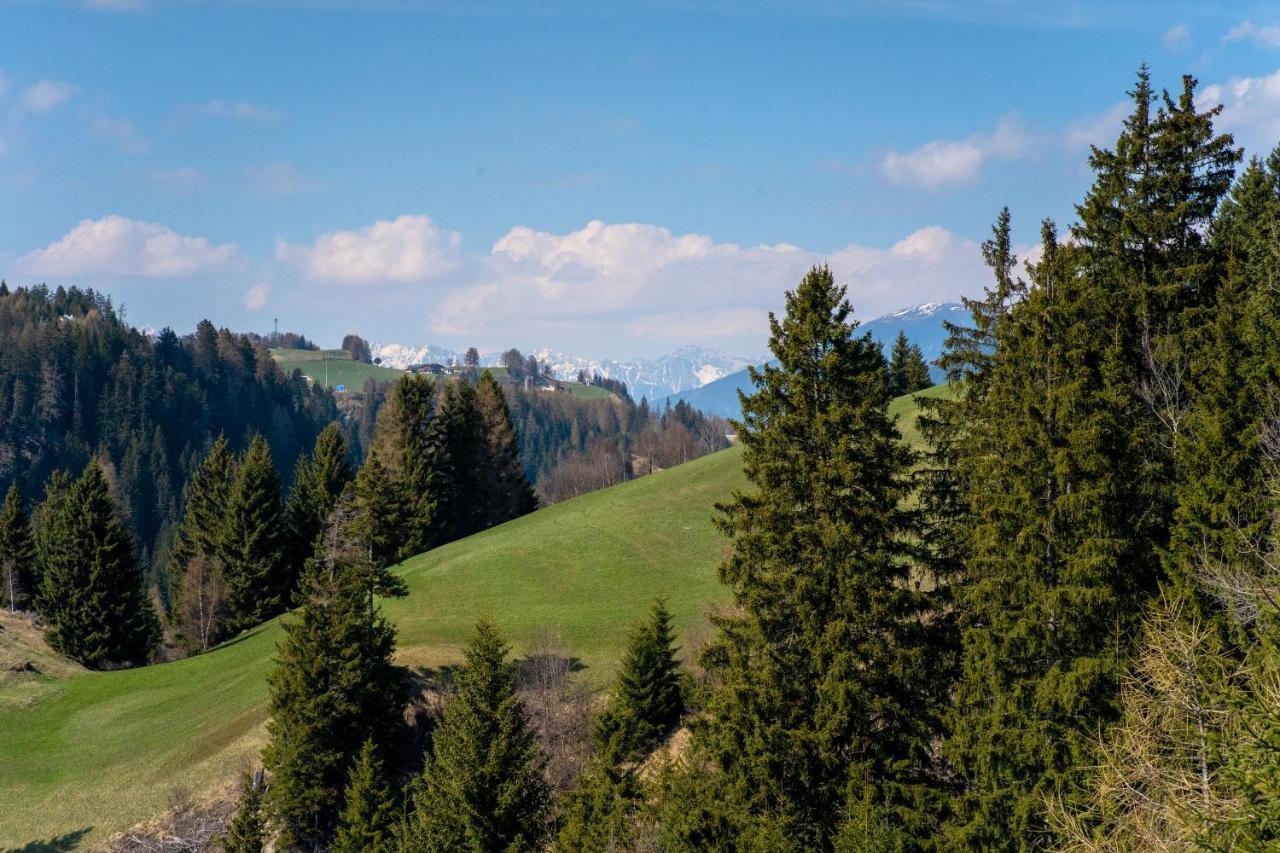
(383, 512)
(916, 375)
(253, 540)
(203, 525)
(601, 813)
(333, 688)
(648, 695)
(247, 831)
(824, 683)
(93, 600)
(502, 492)
(367, 820)
(318, 482)
(17, 554)
(899, 360)
(483, 786)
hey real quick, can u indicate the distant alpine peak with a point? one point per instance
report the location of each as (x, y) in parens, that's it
(928, 309)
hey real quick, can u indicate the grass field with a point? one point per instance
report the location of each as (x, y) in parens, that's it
(335, 365)
(94, 753)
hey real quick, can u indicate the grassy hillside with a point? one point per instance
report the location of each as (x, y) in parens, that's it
(102, 751)
(98, 752)
(335, 364)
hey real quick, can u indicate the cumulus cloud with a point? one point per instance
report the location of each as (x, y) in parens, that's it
(404, 250)
(1250, 109)
(122, 134)
(642, 281)
(255, 298)
(1267, 36)
(44, 95)
(1177, 36)
(947, 162)
(117, 247)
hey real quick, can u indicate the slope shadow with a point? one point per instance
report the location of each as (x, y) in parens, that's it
(57, 844)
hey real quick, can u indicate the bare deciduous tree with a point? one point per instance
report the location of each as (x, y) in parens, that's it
(202, 599)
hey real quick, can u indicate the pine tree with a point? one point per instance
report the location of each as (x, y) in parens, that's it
(383, 512)
(17, 553)
(247, 831)
(334, 687)
(502, 492)
(899, 358)
(600, 814)
(823, 679)
(916, 375)
(483, 786)
(318, 482)
(93, 601)
(204, 521)
(368, 817)
(252, 546)
(648, 696)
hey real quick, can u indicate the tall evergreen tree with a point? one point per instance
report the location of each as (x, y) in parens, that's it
(824, 683)
(907, 369)
(648, 695)
(483, 787)
(501, 490)
(368, 818)
(17, 553)
(383, 513)
(334, 687)
(93, 601)
(318, 482)
(253, 539)
(204, 522)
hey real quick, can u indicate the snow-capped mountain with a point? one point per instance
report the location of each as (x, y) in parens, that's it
(922, 324)
(687, 368)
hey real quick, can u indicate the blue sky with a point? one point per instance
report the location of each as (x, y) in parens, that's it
(603, 178)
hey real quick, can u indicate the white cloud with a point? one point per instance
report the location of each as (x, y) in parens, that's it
(1100, 129)
(947, 162)
(121, 133)
(1250, 109)
(116, 247)
(639, 281)
(255, 298)
(5, 83)
(1177, 36)
(404, 250)
(43, 95)
(1267, 36)
(221, 108)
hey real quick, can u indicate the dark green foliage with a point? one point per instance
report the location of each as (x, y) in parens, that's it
(1067, 468)
(369, 815)
(247, 832)
(499, 490)
(825, 678)
(253, 541)
(318, 483)
(600, 814)
(907, 371)
(95, 608)
(483, 787)
(76, 381)
(204, 521)
(382, 512)
(18, 578)
(647, 698)
(333, 688)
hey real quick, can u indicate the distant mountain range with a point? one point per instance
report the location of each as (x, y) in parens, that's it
(707, 378)
(685, 369)
(923, 325)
